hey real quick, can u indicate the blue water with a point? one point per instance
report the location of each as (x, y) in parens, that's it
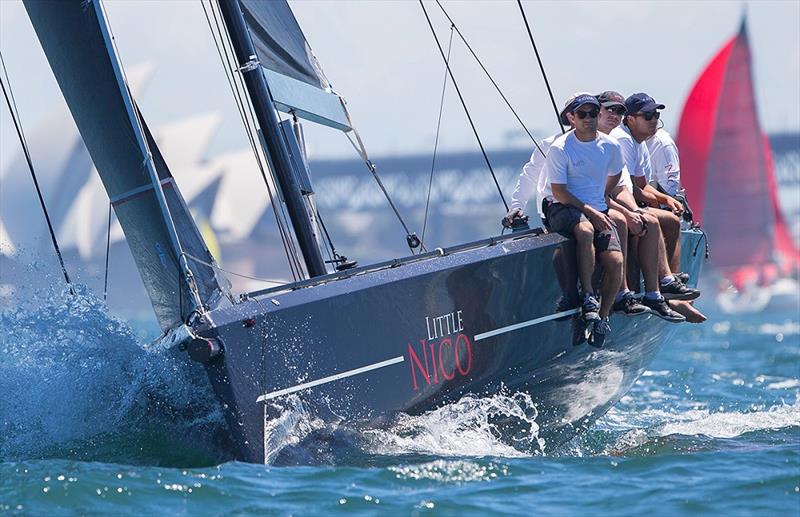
(91, 422)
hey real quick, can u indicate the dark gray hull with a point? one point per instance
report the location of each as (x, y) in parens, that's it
(365, 345)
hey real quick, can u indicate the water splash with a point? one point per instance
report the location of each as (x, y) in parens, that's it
(83, 387)
(501, 425)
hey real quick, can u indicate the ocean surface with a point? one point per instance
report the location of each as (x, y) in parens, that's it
(91, 422)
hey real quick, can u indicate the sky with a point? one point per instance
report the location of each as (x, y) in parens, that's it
(381, 56)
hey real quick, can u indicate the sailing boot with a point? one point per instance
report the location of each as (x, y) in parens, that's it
(659, 307)
(590, 309)
(676, 290)
(629, 305)
(600, 329)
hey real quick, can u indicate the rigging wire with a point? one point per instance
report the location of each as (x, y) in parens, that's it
(249, 125)
(218, 268)
(12, 109)
(464, 104)
(108, 248)
(411, 238)
(280, 208)
(288, 245)
(541, 67)
(496, 87)
(436, 140)
(332, 255)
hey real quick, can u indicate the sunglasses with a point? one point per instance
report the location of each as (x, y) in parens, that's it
(583, 114)
(616, 110)
(649, 116)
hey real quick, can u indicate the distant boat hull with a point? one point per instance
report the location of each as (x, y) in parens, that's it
(425, 333)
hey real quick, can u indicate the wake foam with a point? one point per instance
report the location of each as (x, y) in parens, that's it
(733, 424)
(76, 384)
(697, 423)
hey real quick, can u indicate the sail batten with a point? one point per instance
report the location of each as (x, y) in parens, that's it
(72, 34)
(296, 80)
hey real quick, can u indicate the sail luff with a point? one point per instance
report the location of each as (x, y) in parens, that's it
(697, 125)
(147, 156)
(72, 36)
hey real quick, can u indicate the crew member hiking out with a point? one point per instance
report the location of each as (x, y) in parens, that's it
(644, 230)
(582, 168)
(639, 125)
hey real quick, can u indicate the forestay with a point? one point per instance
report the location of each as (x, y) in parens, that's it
(294, 75)
(74, 36)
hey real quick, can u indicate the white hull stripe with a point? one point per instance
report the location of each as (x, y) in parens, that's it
(325, 380)
(524, 324)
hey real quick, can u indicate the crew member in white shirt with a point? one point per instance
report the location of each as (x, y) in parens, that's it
(582, 168)
(643, 228)
(641, 120)
(665, 162)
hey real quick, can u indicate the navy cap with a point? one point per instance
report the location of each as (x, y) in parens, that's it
(576, 101)
(641, 102)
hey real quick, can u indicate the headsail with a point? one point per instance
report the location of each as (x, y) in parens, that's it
(726, 168)
(73, 36)
(296, 80)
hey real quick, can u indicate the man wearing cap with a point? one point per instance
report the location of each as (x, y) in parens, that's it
(581, 169)
(643, 228)
(641, 121)
(634, 132)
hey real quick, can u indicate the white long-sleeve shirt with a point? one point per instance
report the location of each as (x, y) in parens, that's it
(530, 177)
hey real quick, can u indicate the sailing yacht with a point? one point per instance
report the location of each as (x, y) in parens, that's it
(727, 169)
(357, 345)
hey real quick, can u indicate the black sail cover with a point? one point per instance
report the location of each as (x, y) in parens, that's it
(280, 44)
(75, 39)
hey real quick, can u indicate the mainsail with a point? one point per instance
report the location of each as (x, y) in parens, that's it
(74, 37)
(727, 167)
(297, 83)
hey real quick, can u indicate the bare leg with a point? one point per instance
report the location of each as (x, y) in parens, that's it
(622, 231)
(612, 277)
(688, 311)
(648, 254)
(671, 229)
(584, 237)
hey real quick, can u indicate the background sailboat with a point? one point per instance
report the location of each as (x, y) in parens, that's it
(729, 175)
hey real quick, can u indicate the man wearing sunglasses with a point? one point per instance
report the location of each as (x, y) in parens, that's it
(581, 169)
(643, 227)
(641, 121)
(532, 180)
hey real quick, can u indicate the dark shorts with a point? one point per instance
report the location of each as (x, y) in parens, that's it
(562, 218)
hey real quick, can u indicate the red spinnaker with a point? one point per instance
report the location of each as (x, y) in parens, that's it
(727, 170)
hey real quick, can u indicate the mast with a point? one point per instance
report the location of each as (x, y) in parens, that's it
(276, 150)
